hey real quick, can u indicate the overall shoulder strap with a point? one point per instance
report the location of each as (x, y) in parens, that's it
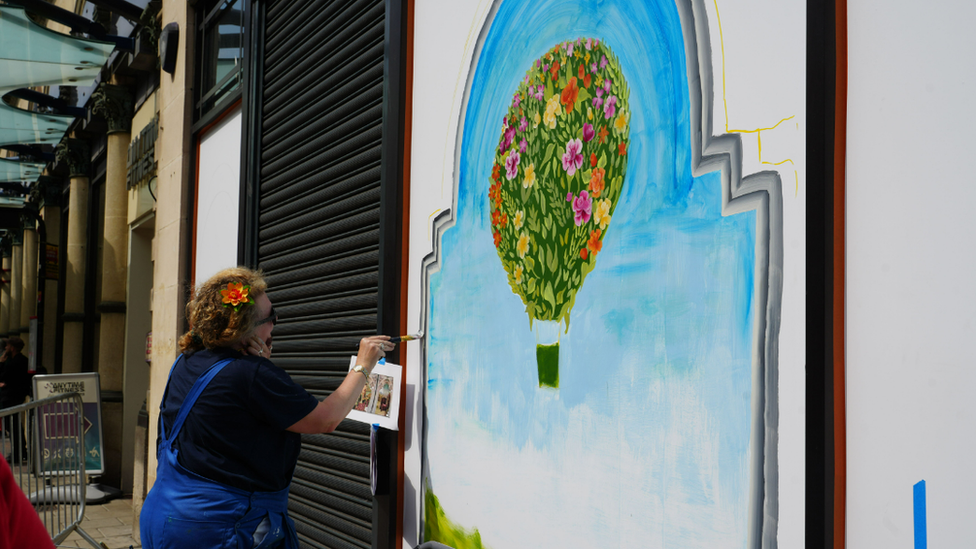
(191, 398)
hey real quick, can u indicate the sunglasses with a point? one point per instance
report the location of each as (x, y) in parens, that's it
(273, 319)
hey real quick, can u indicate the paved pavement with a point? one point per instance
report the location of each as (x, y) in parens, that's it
(109, 524)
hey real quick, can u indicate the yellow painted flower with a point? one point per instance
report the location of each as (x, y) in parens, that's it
(235, 294)
(523, 245)
(589, 113)
(529, 176)
(599, 81)
(621, 123)
(519, 219)
(587, 57)
(535, 120)
(552, 110)
(602, 214)
(518, 274)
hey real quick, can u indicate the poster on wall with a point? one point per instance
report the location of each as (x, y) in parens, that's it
(604, 294)
(379, 401)
(55, 423)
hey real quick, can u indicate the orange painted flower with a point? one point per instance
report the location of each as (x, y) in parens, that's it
(586, 81)
(584, 254)
(622, 148)
(554, 69)
(593, 244)
(593, 160)
(569, 95)
(498, 238)
(235, 294)
(596, 181)
(603, 134)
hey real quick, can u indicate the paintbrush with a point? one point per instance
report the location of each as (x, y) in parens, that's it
(408, 337)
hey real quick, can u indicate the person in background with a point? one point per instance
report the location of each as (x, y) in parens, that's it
(14, 390)
(19, 524)
(230, 424)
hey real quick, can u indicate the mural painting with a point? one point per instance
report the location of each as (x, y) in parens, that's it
(602, 303)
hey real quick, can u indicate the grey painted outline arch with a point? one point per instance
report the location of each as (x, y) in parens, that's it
(760, 192)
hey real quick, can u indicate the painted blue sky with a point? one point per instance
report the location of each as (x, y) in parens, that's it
(655, 371)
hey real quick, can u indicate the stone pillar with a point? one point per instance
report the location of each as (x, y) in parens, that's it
(5, 295)
(77, 155)
(16, 285)
(51, 213)
(28, 301)
(175, 170)
(115, 104)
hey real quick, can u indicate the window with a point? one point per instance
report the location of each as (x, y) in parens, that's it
(220, 57)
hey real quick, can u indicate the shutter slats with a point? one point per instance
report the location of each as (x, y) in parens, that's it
(321, 85)
(311, 493)
(352, 205)
(279, 192)
(339, 59)
(318, 234)
(356, 146)
(300, 248)
(325, 195)
(298, 142)
(328, 30)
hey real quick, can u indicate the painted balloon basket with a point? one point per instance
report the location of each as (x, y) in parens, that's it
(558, 173)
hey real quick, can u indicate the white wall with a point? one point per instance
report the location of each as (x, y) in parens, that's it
(911, 303)
(218, 196)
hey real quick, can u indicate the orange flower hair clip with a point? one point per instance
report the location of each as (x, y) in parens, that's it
(236, 295)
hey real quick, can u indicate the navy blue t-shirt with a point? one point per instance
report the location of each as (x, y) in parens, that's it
(236, 433)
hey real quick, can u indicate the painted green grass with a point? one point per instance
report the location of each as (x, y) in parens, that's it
(439, 528)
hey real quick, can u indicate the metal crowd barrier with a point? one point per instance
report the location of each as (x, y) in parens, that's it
(48, 462)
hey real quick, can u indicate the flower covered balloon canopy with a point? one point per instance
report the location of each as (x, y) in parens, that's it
(557, 176)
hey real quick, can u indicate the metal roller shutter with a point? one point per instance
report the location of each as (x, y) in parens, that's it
(325, 198)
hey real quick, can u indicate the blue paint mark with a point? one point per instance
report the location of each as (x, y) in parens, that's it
(921, 536)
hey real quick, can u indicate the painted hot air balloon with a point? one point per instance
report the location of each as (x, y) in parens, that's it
(558, 172)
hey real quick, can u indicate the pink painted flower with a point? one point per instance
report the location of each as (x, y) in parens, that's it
(569, 197)
(573, 159)
(516, 100)
(511, 165)
(606, 84)
(523, 145)
(598, 100)
(582, 208)
(589, 43)
(569, 49)
(603, 61)
(524, 124)
(593, 67)
(610, 107)
(539, 93)
(507, 140)
(588, 132)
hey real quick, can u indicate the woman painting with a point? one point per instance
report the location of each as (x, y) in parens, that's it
(230, 424)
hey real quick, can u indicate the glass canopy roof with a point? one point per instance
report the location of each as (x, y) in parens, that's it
(31, 56)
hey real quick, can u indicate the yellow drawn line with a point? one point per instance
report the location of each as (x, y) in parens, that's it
(435, 212)
(457, 82)
(758, 131)
(773, 127)
(721, 41)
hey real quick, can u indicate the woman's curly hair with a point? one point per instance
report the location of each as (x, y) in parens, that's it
(211, 323)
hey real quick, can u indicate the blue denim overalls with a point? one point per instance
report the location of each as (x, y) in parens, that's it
(184, 509)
